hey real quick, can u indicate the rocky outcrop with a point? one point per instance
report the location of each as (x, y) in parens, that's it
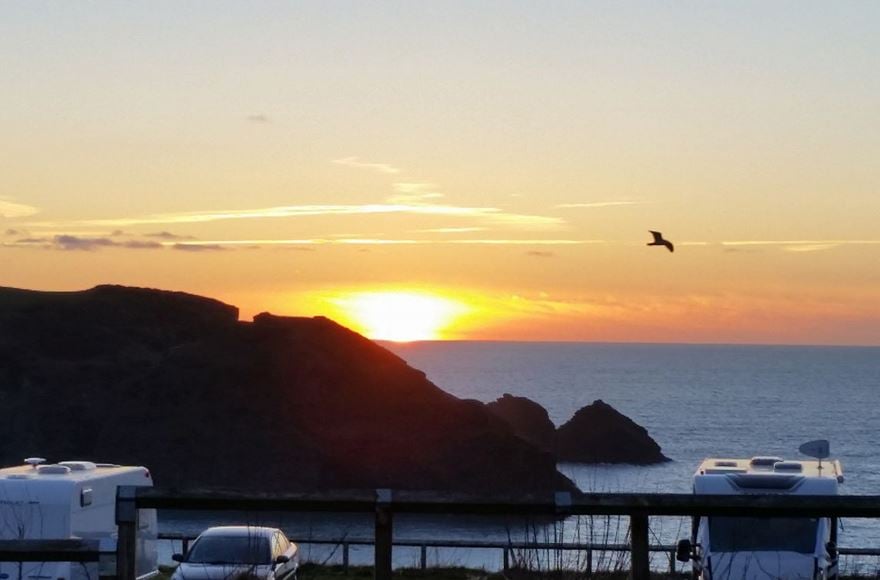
(598, 433)
(528, 419)
(175, 382)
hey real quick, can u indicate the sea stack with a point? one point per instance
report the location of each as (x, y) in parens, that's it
(598, 433)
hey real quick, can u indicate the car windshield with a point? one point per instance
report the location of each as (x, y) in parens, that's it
(230, 550)
(763, 534)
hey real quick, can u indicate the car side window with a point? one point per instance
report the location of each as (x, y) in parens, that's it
(283, 543)
(276, 547)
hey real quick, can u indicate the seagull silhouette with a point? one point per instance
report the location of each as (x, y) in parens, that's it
(659, 241)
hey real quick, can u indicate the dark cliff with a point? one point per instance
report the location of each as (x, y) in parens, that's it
(528, 419)
(175, 382)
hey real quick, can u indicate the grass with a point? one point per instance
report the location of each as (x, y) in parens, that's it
(324, 572)
(311, 571)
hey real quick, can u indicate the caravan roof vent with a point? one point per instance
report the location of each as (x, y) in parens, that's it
(79, 465)
(53, 470)
(34, 461)
(726, 463)
(724, 470)
(764, 461)
(788, 466)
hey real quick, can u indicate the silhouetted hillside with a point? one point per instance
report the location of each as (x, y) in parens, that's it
(175, 382)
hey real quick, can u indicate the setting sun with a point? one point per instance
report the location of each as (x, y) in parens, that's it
(401, 316)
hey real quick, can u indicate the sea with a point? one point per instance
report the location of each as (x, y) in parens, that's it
(696, 401)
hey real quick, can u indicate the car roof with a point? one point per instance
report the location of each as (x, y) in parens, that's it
(249, 531)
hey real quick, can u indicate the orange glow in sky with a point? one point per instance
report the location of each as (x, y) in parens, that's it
(480, 172)
(400, 316)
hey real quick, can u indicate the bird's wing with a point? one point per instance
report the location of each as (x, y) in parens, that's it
(658, 237)
(670, 246)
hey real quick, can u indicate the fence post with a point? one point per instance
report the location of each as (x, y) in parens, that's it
(506, 559)
(640, 559)
(672, 562)
(590, 561)
(424, 559)
(127, 523)
(345, 557)
(384, 534)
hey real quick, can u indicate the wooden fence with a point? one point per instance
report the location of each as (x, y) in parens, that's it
(384, 503)
(506, 548)
(49, 551)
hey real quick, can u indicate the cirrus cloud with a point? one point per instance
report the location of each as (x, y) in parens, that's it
(357, 163)
(199, 247)
(10, 209)
(69, 242)
(491, 215)
(592, 204)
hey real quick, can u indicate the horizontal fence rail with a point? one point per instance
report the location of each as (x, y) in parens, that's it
(384, 503)
(504, 547)
(49, 551)
(549, 505)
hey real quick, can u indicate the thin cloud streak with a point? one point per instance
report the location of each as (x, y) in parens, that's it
(528, 242)
(489, 214)
(386, 242)
(788, 245)
(414, 193)
(357, 163)
(164, 235)
(68, 242)
(10, 209)
(450, 230)
(810, 248)
(800, 246)
(800, 242)
(194, 247)
(595, 204)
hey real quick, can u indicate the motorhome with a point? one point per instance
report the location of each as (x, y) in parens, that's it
(71, 499)
(764, 548)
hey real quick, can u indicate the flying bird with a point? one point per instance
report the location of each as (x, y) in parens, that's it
(659, 241)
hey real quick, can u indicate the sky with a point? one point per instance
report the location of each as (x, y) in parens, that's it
(455, 170)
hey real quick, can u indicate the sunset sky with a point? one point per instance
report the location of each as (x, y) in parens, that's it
(455, 170)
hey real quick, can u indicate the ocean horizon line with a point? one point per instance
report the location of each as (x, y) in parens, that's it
(631, 343)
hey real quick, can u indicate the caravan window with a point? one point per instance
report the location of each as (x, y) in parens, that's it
(763, 534)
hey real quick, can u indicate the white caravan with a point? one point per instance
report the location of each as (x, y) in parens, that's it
(747, 548)
(71, 499)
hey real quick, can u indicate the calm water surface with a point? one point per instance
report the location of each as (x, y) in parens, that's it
(696, 400)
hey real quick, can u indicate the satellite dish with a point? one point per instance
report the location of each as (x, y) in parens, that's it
(34, 461)
(819, 449)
